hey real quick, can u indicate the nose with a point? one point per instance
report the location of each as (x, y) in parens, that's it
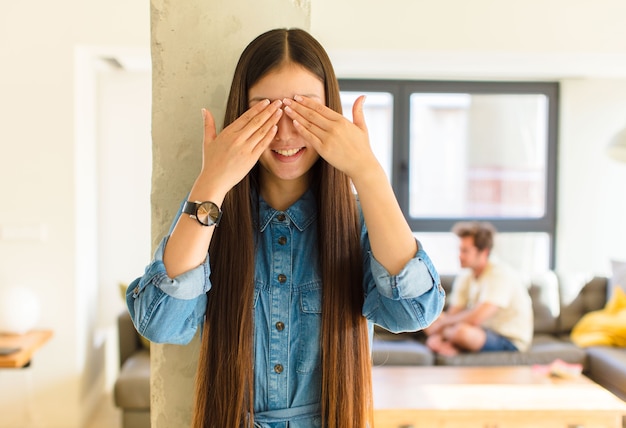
(286, 130)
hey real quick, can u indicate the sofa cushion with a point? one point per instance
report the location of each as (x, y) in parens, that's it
(400, 349)
(605, 327)
(543, 350)
(407, 352)
(579, 294)
(446, 282)
(544, 293)
(132, 387)
(607, 366)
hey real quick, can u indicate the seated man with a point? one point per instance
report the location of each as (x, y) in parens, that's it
(489, 307)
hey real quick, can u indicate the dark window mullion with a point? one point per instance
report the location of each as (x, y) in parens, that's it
(402, 90)
(401, 147)
(503, 225)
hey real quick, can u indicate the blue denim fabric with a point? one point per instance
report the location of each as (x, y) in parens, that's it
(287, 304)
(495, 342)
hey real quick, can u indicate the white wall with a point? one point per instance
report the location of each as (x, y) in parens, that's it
(124, 163)
(592, 209)
(124, 170)
(39, 42)
(534, 26)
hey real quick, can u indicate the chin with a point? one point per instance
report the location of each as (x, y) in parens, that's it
(290, 176)
(291, 172)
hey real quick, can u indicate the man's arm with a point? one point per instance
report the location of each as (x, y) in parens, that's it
(443, 320)
(456, 314)
(475, 316)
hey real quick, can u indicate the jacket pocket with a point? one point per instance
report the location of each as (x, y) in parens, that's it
(309, 334)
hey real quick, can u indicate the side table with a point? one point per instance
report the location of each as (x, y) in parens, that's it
(26, 344)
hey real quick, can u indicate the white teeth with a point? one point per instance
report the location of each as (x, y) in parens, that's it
(289, 152)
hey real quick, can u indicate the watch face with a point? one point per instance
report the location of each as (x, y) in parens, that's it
(207, 213)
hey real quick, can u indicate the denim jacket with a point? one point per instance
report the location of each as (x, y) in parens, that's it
(287, 308)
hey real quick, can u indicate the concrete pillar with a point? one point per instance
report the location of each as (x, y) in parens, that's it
(195, 46)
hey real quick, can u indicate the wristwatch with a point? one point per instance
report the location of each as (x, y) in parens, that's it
(207, 213)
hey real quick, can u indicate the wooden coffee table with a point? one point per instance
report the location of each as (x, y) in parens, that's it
(489, 397)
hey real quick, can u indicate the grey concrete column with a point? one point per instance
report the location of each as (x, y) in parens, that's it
(195, 46)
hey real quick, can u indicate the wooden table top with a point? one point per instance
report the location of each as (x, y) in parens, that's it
(27, 343)
(504, 388)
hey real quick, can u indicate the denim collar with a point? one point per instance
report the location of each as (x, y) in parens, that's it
(302, 213)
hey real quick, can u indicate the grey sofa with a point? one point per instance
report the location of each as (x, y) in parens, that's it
(558, 303)
(131, 391)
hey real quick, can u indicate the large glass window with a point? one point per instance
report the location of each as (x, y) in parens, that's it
(468, 150)
(378, 111)
(493, 150)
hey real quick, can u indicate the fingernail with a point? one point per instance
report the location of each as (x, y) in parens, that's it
(287, 101)
(297, 98)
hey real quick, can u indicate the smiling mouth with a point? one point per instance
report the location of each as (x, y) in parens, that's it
(288, 153)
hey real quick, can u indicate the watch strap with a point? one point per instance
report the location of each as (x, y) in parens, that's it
(190, 208)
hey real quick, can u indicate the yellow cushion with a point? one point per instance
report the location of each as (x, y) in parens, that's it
(605, 327)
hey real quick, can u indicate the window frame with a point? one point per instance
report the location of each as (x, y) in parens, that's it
(401, 91)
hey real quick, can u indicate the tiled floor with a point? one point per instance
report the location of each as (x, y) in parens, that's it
(107, 415)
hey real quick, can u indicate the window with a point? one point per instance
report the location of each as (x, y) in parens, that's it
(468, 150)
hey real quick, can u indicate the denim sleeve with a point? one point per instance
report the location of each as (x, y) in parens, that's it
(168, 310)
(408, 301)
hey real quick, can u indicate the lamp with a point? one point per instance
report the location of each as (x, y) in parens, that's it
(19, 310)
(617, 147)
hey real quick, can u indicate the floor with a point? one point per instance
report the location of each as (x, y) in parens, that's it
(106, 415)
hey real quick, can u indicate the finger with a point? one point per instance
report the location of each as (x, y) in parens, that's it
(358, 118)
(267, 114)
(308, 135)
(269, 127)
(265, 141)
(209, 125)
(314, 113)
(249, 114)
(312, 129)
(308, 116)
(270, 114)
(317, 107)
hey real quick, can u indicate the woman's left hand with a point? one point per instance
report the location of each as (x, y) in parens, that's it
(343, 144)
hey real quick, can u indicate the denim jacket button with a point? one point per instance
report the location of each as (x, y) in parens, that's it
(278, 368)
(281, 217)
(282, 240)
(282, 278)
(280, 326)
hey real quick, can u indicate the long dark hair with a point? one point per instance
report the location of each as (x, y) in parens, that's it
(225, 378)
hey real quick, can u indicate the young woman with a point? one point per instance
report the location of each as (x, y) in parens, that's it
(298, 268)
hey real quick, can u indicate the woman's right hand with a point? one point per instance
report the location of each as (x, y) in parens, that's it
(226, 159)
(228, 156)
